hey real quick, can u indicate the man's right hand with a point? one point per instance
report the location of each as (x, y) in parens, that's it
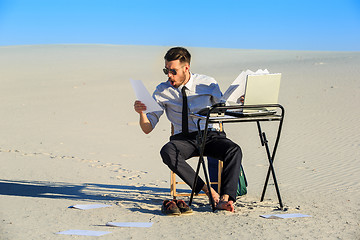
(139, 107)
(144, 121)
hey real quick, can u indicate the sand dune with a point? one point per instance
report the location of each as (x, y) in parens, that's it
(69, 136)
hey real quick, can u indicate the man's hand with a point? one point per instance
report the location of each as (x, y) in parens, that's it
(242, 99)
(144, 121)
(139, 107)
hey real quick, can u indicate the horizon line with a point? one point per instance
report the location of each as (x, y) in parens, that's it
(141, 45)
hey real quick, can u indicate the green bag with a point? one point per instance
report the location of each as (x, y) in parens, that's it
(242, 183)
(213, 172)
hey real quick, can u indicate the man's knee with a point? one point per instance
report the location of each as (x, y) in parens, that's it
(166, 152)
(236, 152)
(164, 155)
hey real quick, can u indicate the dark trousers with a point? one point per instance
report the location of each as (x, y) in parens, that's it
(182, 147)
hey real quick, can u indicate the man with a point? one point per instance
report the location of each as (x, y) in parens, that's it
(185, 93)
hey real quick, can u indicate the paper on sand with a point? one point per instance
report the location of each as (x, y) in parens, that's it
(129, 224)
(83, 232)
(144, 96)
(89, 206)
(286, 215)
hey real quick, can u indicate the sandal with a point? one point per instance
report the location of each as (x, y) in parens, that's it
(169, 207)
(184, 208)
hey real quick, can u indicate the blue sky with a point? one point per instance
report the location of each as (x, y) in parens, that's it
(325, 25)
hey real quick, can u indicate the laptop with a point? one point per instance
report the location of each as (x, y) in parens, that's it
(261, 89)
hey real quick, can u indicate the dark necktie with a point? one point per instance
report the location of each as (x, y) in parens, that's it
(185, 127)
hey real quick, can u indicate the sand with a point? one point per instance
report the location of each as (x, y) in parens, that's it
(69, 135)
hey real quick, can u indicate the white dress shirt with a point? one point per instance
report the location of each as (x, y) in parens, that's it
(202, 91)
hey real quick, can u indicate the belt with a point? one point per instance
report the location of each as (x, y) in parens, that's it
(192, 135)
(214, 130)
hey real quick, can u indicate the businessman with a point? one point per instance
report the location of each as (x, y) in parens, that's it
(183, 93)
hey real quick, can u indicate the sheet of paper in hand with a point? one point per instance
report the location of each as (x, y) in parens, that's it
(144, 96)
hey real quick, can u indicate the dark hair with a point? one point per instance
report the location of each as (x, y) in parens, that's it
(178, 53)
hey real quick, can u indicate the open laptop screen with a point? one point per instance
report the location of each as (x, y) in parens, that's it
(262, 89)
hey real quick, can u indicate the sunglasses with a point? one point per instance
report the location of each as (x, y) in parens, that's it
(172, 71)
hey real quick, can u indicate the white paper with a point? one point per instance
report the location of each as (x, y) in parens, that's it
(89, 206)
(144, 96)
(237, 88)
(129, 224)
(286, 215)
(83, 232)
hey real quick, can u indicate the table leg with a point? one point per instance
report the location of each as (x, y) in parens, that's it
(262, 135)
(201, 162)
(271, 168)
(195, 182)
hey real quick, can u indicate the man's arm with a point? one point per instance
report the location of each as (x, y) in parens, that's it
(144, 121)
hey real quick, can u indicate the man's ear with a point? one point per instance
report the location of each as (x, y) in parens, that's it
(187, 67)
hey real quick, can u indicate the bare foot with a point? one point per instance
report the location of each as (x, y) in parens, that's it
(226, 205)
(214, 195)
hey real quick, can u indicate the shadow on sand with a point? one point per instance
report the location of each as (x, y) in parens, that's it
(135, 195)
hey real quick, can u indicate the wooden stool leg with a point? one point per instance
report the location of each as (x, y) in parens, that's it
(220, 168)
(172, 184)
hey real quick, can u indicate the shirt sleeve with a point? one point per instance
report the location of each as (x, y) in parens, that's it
(154, 117)
(216, 93)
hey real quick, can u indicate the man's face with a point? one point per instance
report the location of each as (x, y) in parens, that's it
(182, 72)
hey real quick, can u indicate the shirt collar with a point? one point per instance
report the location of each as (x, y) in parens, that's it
(190, 83)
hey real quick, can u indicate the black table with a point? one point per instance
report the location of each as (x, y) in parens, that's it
(230, 114)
